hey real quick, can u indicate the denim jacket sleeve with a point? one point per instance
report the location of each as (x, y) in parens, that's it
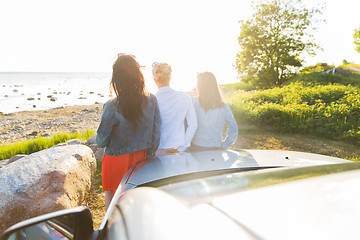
(108, 120)
(232, 132)
(155, 141)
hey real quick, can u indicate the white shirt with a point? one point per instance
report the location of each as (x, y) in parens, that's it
(175, 107)
(211, 125)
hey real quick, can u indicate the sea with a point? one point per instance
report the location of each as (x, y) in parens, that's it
(29, 91)
(21, 91)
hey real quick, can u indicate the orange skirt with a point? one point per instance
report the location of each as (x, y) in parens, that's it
(114, 168)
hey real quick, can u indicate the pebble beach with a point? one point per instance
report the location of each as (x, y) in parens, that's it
(24, 125)
(34, 104)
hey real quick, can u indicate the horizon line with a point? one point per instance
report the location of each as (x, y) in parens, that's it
(1, 72)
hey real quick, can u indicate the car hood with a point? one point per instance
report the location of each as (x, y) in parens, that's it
(323, 207)
(317, 202)
(163, 167)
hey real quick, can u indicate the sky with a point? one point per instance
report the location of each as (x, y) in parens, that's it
(191, 35)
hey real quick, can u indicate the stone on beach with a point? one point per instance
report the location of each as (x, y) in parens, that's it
(98, 151)
(44, 182)
(33, 133)
(16, 157)
(99, 154)
(92, 140)
(75, 142)
(94, 148)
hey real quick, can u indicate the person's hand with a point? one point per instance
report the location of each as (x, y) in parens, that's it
(165, 152)
(182, 148)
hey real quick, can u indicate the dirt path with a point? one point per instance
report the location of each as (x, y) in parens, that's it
(353, 69)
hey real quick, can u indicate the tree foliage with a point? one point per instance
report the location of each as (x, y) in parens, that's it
(357, 39)
(274, 40)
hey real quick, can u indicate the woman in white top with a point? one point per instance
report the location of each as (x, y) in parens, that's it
(212, 113)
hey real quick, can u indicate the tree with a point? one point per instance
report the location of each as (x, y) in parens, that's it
(357, 39)
(274, 40)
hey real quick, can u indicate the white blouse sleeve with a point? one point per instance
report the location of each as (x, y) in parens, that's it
(232, 132)
(192, 126)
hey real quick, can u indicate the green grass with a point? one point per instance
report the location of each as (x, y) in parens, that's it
(238, 86)
(40, 143)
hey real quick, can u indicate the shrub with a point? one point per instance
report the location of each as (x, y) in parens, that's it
(318, 104)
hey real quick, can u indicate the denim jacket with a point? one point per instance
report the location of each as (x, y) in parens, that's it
(116, 134)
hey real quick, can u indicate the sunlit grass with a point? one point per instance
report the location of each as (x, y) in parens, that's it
(40, 143)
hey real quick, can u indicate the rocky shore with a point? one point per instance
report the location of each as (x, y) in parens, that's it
(19, 126)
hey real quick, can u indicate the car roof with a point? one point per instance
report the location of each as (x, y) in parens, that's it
(168, 166)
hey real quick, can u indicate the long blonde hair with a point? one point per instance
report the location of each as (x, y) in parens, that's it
(209, 93)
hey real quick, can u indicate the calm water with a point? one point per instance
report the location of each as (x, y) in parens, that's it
(39, 91)
(35, 91)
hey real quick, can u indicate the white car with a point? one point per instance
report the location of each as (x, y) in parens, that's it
(245, 194)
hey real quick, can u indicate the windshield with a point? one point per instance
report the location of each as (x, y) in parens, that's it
(196, 190)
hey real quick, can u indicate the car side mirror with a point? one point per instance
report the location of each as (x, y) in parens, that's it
(75, 223)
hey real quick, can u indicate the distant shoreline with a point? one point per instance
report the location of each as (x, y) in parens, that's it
(37, 72)
(24, 91)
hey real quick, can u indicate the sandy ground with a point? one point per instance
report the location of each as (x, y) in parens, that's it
(28, 124)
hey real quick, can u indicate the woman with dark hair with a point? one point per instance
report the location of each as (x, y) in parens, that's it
(212, 113)
(130, 124)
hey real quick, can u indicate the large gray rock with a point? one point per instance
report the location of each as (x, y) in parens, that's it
(99, 154)
(92, 140)
(76, 142)
(43, 182)
(94, 148)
